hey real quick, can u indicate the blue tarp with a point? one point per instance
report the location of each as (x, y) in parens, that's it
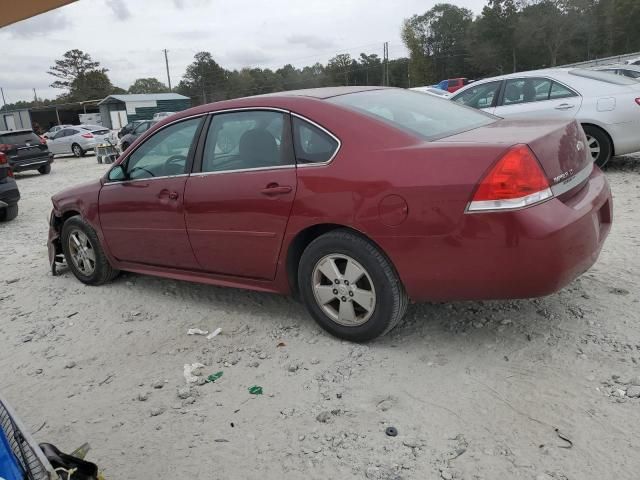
(9, 467)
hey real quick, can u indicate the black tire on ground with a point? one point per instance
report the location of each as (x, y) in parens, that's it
(45, 169)
(9, 213)
(103, 271)
(599, 139)
(77, 150)
(391, 298)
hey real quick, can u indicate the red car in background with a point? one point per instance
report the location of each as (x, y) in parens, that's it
(453, 84)
(355, 199)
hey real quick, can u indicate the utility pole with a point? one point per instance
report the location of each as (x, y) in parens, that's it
(385, 76)
(166, 61)
(3, 101)
(35, 95)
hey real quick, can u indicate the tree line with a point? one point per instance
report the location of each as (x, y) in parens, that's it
(446, 41)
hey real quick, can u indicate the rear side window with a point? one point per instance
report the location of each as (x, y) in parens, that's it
(526, 90)
(312, 144)
(479, 96)
(425, 116)
(560, 91)
(19, 138)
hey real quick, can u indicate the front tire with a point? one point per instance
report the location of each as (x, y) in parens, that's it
(350, 287)
(45, 169)
(83, 253)
(598, 144)
(9, 213)
(77, 150)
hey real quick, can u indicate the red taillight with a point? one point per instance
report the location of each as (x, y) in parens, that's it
(638, 101)
(516, 181)
(3, 159)
(87, 135)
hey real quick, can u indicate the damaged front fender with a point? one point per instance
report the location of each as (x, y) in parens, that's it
(54, 244)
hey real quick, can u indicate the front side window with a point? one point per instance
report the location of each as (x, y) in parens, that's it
(165, 153)
(426, 116)
(479, 96)
(247, 140)
(312, 144)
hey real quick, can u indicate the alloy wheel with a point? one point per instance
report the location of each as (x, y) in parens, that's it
(343, 289)
(76, 150)
(82, 252)
(594, 146)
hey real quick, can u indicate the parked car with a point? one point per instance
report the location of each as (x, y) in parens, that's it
(607, 106)
(432, 91)
(631, 71)
(78, 139)
(54, 129)
(633, 61)
(128, 128)
(26, 151)
(139, 129)
(453, 84)
(356, 199)
(9, 193)
(162, 115)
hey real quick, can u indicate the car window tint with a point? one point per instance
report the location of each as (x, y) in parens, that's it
(560, 91)
(164, 153)
(311, 144)
(478, 96)
(426, 116)
(526, 90)
(243, 140)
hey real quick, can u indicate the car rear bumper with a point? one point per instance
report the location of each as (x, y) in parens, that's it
(9, 193)
(31, 163)
(498, 255)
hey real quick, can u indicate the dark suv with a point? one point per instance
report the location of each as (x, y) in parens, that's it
(9, 194)
(26, 151)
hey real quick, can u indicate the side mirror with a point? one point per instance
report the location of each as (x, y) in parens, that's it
(117, 174)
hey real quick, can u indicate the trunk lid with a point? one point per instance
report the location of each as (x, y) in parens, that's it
(22, 145)
(559, 146)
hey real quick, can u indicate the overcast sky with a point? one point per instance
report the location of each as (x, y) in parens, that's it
(127, 36)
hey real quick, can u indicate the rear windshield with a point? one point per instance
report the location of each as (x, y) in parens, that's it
(427, 116)
(603, 76)
(19, 138)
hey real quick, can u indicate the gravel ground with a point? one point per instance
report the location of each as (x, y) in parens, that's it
(476, 390)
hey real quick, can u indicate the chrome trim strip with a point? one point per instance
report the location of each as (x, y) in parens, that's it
(116, 182)
(509, 204)
(244, 109)
(563, 187)
(318, 164)
(239, 170)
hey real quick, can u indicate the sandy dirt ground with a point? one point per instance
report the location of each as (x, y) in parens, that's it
(531, 389)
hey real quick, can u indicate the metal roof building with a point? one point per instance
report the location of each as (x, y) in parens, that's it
(118, 110)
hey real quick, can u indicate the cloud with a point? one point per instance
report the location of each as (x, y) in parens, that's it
(247, 57)
(310, 41)
(39, 26)
(119, 9)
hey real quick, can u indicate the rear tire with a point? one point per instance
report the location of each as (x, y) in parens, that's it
(599, 144)
(84, 254)
(45, 169)
(9, 213)
(374, 283)
(77, 150)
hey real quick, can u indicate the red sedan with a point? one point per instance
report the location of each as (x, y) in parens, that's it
(355, 199)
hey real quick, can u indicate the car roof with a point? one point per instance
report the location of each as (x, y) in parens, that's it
(618, 66)
(572, 77)
(321, 93)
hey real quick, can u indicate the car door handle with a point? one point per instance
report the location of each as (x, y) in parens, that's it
(275, 189)
(565, 106)
(164, 193)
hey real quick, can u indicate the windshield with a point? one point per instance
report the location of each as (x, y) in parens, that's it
(427, 116)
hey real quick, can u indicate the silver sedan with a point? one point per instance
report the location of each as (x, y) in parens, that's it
(78, 139)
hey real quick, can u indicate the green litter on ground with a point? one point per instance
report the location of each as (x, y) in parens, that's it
(213, 377)
(255, 390)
